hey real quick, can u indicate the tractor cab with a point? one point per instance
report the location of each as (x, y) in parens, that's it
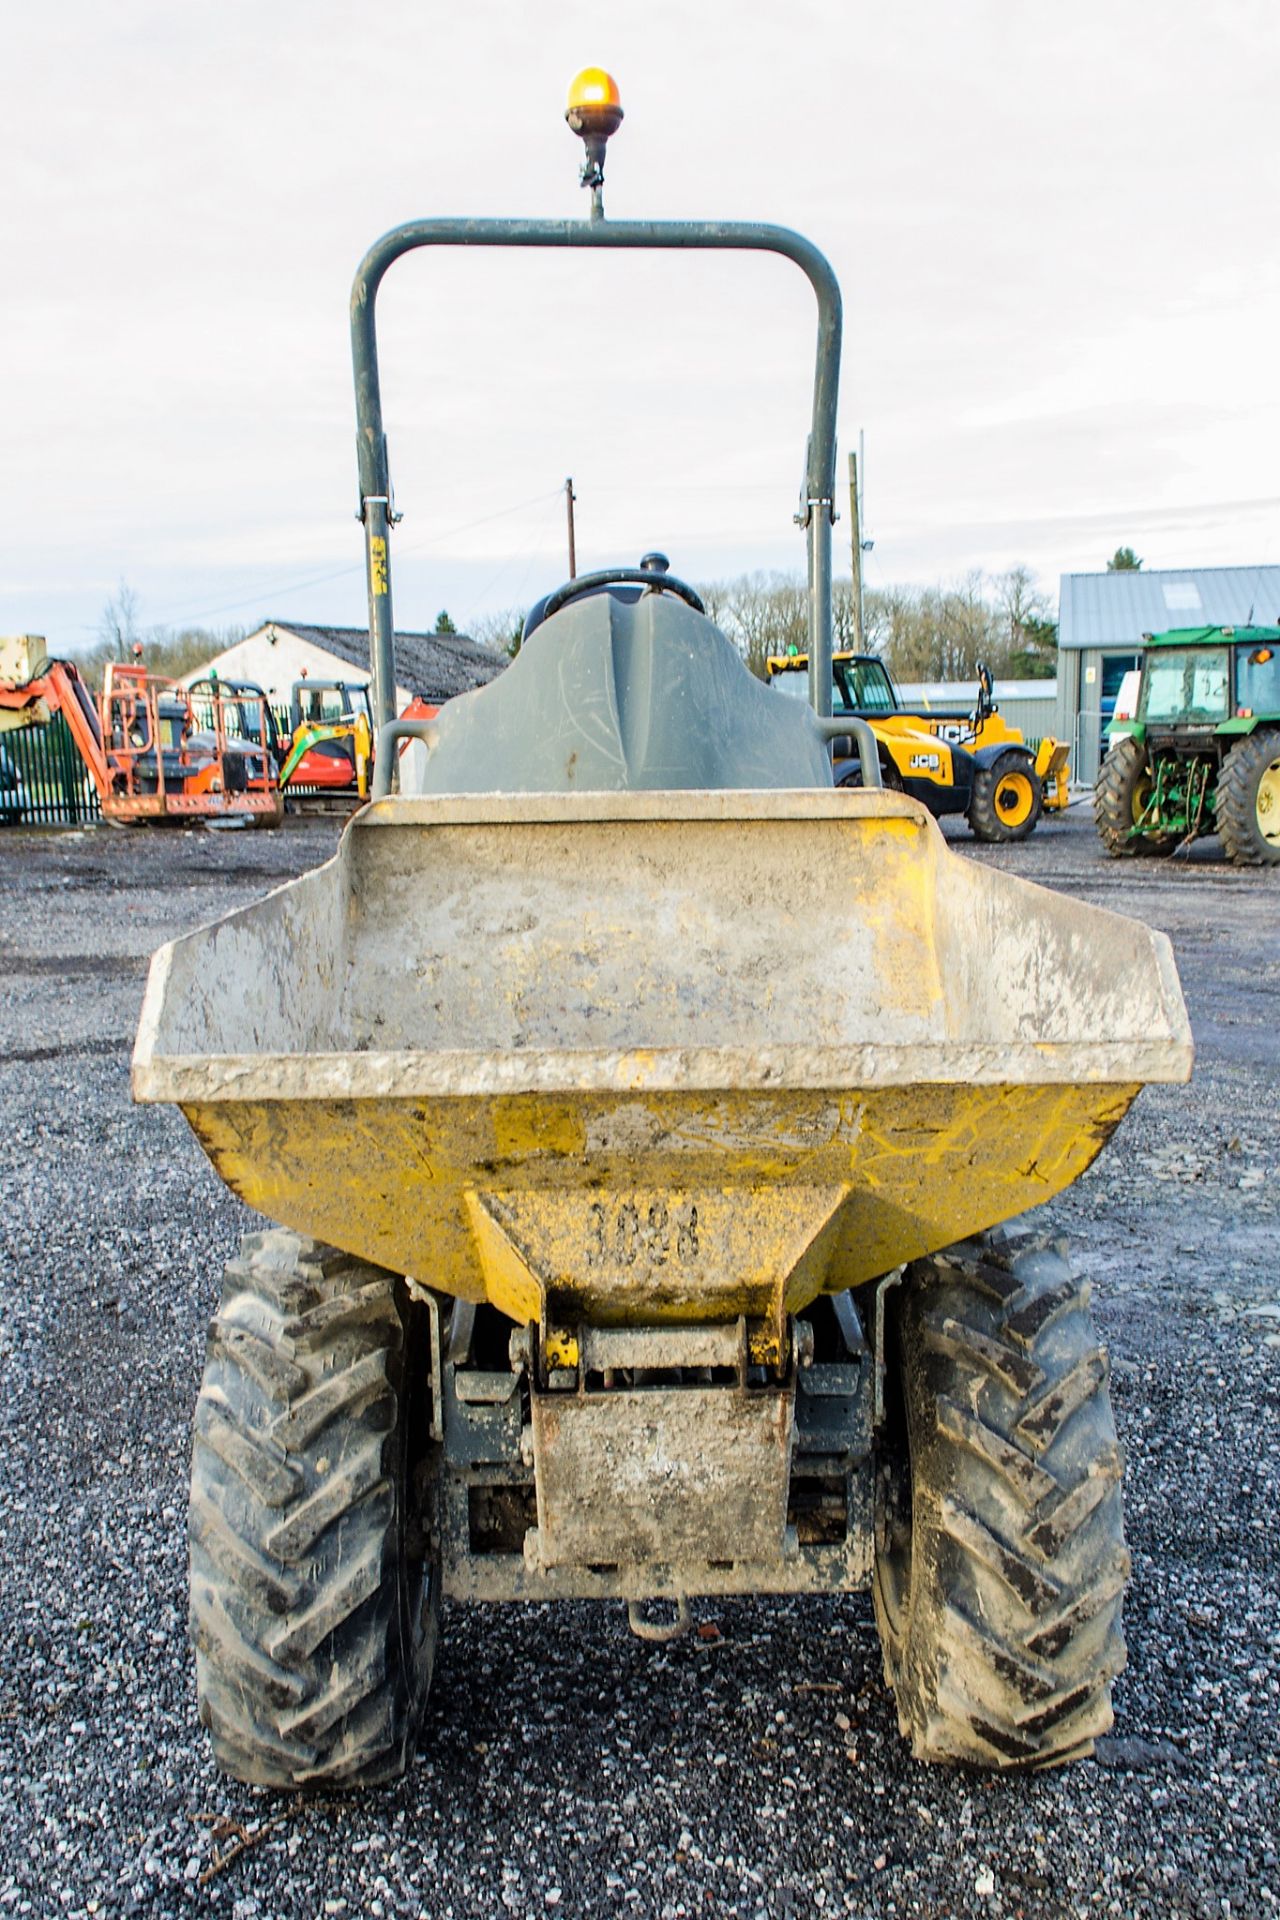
(1186, 687)
(1201, 753)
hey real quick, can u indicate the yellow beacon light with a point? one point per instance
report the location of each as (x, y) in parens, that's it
(594, 93)
(594, 112)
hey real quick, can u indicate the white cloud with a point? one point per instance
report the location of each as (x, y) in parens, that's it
(1050, 226)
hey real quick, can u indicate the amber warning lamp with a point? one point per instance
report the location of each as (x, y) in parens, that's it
(594, 112)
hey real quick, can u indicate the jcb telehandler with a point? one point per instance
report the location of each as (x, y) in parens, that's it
(632, 1243)
(966, 761)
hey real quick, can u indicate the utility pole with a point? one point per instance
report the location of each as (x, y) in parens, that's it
(855, 535)
(569, 497)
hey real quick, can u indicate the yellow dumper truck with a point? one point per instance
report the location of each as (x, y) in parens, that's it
(624, 1240)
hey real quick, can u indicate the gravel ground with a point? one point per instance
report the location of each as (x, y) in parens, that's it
(567, 1768)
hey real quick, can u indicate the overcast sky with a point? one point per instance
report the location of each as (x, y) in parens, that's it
(1055, 228)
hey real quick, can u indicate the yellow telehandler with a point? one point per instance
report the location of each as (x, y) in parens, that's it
(953, 760)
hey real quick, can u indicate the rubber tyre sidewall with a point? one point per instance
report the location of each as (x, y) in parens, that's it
(984, 817)
(1237, 800)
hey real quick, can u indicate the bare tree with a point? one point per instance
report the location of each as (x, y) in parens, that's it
(762, 613)
(1030, 637)
(169, 652)
(934, 633)
(500, 632)
(118, 621)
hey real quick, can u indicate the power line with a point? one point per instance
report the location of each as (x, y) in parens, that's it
(530, 555)
(341, 573)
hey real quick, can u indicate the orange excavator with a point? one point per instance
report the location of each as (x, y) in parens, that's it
(148, 753)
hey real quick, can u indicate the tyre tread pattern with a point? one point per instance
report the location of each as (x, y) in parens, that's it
(983, 814)
(1236, 805)
(1002, 1648)
(295, 1524)
(1113, 792)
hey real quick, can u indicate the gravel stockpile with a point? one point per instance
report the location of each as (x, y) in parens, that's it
(755, 1769)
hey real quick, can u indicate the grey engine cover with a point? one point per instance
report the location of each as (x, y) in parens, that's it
(610, 695)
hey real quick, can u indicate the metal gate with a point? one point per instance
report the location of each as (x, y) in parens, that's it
(43, 780)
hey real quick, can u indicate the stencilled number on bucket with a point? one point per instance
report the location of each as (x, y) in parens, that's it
(628, 1235)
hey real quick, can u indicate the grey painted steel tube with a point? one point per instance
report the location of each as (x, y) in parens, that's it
(677, 235)
(382, 630)
(819, 531)
(385, 759)
(860, 732)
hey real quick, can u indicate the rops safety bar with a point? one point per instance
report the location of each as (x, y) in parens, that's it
(818, 505)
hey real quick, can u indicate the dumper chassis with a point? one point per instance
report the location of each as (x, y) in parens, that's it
(633, 1243)
(355, 1455)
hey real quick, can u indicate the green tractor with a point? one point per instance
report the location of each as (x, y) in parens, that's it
(1201, 753)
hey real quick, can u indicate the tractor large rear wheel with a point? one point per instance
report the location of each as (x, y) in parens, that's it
(314, 1586)
(1121, 793)
(1000, 1555)
(1007, 799)
(1248, 801)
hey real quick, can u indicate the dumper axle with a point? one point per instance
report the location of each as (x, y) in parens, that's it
(663, 1463)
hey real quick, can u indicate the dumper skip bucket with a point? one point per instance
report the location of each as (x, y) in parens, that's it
(636, 1058)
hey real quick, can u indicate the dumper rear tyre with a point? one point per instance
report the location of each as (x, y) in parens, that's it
(1120, 795)
(1248, 801)
(1007, 799)
(314, 1580)
(1000, 1557)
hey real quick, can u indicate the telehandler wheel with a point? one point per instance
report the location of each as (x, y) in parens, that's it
(314, 1589)
(1248, 801)
(1007, 799)
(1000, 1556)
(1120, 792)
(890, 778)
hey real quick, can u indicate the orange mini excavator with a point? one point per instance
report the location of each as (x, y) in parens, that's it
(148, 753)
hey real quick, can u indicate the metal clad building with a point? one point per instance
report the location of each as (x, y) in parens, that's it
(1026, 704)
(1103, 616)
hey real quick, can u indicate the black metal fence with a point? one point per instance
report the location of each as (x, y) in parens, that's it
(43, 780)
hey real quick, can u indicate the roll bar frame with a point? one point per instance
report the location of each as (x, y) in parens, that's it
(817, 507)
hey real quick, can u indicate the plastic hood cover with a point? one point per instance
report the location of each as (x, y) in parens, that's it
(608, 696)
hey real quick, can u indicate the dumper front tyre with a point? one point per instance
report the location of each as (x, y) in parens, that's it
(1248, 801)
(1007, 799)
(1121, 795)
(314, 1580)
(1000, 1557)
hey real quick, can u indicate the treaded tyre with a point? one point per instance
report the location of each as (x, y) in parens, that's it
(1120, 793)
(891, 779)
(1007, 799)
(1000, 1556)
(1248, 801)
(314, 1589)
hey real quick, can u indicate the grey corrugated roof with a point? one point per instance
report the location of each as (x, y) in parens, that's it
(435, 666)
(1116, 609)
